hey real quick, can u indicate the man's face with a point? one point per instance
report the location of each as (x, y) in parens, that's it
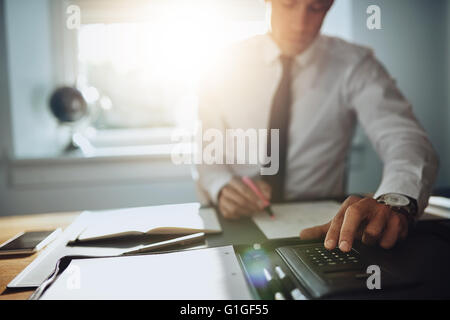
(296, 23)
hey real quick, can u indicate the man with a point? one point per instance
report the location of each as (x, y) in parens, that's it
(313, 88)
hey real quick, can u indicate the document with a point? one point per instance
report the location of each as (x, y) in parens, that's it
(290, 218)
(206, 274)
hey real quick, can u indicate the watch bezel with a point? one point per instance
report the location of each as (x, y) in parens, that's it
(392, 199)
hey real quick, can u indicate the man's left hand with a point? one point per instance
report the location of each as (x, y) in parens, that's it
(361, 218)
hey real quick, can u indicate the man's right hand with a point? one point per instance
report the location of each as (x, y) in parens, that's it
(237, 200)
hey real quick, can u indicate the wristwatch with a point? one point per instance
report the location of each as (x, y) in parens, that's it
(401, 204)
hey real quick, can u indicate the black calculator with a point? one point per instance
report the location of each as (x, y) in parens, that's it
(324, 272)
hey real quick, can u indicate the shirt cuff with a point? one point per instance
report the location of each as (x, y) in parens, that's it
(215, 184)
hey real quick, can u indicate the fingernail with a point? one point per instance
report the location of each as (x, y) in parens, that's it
(329, 244)
(344, 246)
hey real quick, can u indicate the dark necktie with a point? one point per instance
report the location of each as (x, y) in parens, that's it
(279, 119)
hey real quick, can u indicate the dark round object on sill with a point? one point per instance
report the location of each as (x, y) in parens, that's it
(68, 105)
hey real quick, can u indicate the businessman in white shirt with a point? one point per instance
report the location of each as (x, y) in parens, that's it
(314, 88)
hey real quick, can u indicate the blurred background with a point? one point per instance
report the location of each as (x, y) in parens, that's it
(136, 64)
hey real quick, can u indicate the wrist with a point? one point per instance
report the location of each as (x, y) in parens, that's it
(401, 204)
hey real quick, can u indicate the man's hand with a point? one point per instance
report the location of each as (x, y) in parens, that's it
(361, 218)
(236, 199)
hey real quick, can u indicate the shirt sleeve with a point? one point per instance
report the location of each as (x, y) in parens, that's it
(211, 177)
(410, 163)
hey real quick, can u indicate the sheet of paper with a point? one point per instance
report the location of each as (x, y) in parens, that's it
(291, 218)
(437, 212)
(209, 274)
(142, 219)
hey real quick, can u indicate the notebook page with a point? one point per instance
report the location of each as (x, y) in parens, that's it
(209, 274)
(291, 218)
(145, 219)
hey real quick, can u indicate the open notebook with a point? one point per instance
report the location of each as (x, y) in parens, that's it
(166, 219)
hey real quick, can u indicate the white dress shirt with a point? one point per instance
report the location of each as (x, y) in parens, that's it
(334, 84)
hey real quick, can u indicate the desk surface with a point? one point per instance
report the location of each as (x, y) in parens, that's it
(238, 232)
(243, 231)
(10, 226)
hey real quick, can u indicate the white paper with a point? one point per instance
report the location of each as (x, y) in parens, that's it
(437, 212)
(206, 274)
(291, 218)
(440, 202)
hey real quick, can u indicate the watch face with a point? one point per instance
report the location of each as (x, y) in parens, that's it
(396, 200)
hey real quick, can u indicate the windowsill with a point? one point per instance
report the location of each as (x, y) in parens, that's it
(112, 145)
(110, 154)
(109, 165)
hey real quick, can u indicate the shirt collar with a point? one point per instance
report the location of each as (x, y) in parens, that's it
(272, 51)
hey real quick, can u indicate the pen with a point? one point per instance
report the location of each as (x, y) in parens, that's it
(289, 285)
(255, 189)
(168, 244)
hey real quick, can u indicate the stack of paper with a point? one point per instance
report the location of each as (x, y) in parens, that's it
(439, 206)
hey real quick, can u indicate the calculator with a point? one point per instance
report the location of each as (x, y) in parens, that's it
(324, 272)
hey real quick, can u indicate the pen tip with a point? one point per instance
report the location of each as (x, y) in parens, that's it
(270, 212)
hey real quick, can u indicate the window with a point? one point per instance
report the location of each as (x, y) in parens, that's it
(139, 64)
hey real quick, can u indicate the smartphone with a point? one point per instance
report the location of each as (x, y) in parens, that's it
(28, 242)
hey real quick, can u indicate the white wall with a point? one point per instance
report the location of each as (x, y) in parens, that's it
(338, 21)
(412, 46)
(5, 116)
(30, 65)
(23, 198)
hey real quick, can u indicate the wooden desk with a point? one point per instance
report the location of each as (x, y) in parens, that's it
(10, 226)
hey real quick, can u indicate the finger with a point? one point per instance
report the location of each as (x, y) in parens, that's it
(246, 192)
(336, 223)
(404, 227)
(265, 188)
(233, 195)
(353, 217)
(392, 232)
(316, 232)
(376, 225)
(239, 210)
(228, 209)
